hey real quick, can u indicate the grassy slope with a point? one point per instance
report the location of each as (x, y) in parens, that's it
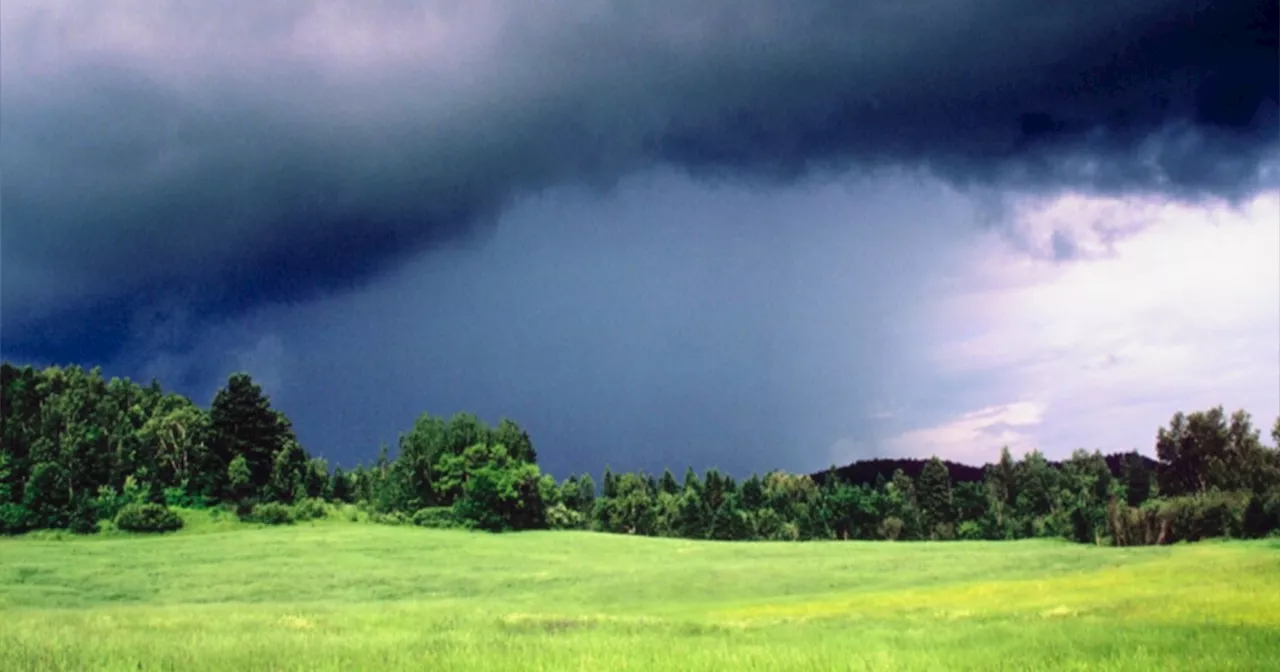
(342, 596)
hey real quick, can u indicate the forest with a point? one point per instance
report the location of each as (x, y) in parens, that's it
(87, 454)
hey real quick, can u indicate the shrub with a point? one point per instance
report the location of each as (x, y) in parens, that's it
(13, 518)
(1196, 517)
(1187, 518)
(271, 513)
(179, 496)
(969, 530)
(310, 509)
(242, 508)
(561, 517)
(84, 516)
(1133, 525)
(891, 527)
(147, 518)
(438, 517)
(768, 524)
(1262, 515)
(393, 518)
(109, 502)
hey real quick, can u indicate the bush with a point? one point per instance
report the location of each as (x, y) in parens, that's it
(393, 518)
(13, 518)
(970, 530)
(1188, 518)
(437, 517)
(891, 527)
(561, 517)
(310, 509)
(1196, 517)
(1262, 516)
(271, 513)
(84, 516)
(147, 518)
(109, 502)
(179, 496)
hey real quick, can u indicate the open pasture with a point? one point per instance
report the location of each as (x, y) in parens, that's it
(337, 595)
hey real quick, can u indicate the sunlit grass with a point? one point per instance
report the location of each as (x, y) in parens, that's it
(340, 596)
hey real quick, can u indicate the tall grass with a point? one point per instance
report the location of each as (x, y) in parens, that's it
(335, 595)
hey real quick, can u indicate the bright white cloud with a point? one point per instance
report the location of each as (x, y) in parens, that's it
(1168, 307)
(969, 437)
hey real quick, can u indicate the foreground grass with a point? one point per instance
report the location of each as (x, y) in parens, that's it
(343, 596)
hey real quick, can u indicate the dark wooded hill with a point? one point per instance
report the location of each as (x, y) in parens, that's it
(866, 471)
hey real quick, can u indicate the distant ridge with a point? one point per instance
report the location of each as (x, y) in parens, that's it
(866, 471)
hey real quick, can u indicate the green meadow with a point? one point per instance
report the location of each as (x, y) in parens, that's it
(340, 595)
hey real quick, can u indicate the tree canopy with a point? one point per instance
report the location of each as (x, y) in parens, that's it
(78, 449)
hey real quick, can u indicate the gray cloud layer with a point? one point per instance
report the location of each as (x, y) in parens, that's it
(666, 325)
(229, 155)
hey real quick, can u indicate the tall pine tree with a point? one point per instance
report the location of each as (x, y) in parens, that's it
(243, 424)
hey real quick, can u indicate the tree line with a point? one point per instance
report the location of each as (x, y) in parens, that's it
(78, 449)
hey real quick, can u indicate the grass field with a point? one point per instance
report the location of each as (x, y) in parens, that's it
(336, 595)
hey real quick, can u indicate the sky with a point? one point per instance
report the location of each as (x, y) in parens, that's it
(745, 235)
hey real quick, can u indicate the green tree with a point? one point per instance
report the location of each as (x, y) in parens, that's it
(498, 492)
(691, 482)
(1002, 494)
(1083, 493)
(1248, 464)
(610, 485)
(668, 483)
(904, 506)
(729, 522)
(289, 473)
(243, 424)
(753, 496)
(841, 504)
(463, 431)
(239, 479)
(517, 441)
(179, 432)
(416, 469)
(714, 488)
(934, 490)
(586, 496)
(973, 514)
(45, 497)
(1137, 479)
(317, 480)
(1037, 484)
(632, 509)
(692, 519)
(340, 486)
(1202, 452)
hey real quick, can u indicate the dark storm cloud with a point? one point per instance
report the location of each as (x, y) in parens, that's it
(224, 156)
(663, 326)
